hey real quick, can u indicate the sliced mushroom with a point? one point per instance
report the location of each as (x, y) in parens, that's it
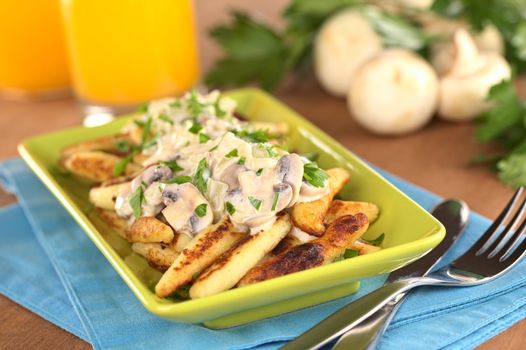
(181, 203)
(289, 170)
(151, 174)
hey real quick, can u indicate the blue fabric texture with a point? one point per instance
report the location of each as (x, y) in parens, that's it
(49, 265)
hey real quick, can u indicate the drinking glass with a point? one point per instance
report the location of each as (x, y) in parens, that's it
(125, 52)
(33, 62)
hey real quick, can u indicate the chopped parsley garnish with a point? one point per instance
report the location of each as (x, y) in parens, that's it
(350, 253)
(217, 109)
(260, 170)
(143, 108)
(314, 175)
(202, 173)
(230, 208)
(139, 123)
(176, 104)
(195, 128)
(172, 164)
(214, 148)
(120, 166)
(179, 180)
(136, 200)
(256, 136)
(194, 106)
(241, 161)
(231, 154)
(203, 137)
(200, 210)
(270, 150)
(256, 203)
(275, 201)
(122, 145)
(166, 118)
(377, 241)
(310, 156)
(146, 128)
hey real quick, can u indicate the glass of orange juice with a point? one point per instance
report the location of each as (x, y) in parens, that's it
(33, 60)
(125, 52)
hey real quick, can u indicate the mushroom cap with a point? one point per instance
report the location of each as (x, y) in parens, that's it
(394, 93)
(343, 44)
(443, 54)
(463, 89)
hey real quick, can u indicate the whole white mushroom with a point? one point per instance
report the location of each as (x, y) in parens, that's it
(343, 44)
(394, 93)
(443, 54)
(463, 89)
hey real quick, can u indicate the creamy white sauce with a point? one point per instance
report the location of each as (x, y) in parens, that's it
(250, 182)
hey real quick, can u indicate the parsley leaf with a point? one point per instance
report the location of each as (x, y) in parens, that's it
(242, 161)
(253, 52)
(275, 201)
(507, 113)
(512, 170)
(217, 109)
(194, 106)
(396, 31)
(179, 180)
(166, 118)
(230, 208)
(259, 172)
(231, 154)
(350, 253)
(122, 145)
(120, 166)
(202, 173)
(172, 164)
(195, 128)
(377, 241)
(176, 104)
(256, 136)
(200, 210)
(136, 200)
(256, 203)
(147, 126)
(314, 175)
(143, 108)
(203, 137)
(505, 123)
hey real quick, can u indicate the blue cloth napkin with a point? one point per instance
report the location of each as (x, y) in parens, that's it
(49, 265)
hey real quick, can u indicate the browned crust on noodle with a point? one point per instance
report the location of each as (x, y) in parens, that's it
(340, 235)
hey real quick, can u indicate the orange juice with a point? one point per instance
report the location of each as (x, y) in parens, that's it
(32, 53)
(124, 52)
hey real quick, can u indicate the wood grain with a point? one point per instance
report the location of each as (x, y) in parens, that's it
(435, 158)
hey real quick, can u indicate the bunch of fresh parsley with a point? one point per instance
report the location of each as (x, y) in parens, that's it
(257, 53)
(505, 123)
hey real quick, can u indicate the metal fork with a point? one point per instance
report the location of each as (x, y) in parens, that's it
(496, 252)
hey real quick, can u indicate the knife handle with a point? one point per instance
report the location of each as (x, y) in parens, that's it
(349, 316)
(365, 335)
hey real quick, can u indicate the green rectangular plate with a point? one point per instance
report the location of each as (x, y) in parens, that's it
(410, 231)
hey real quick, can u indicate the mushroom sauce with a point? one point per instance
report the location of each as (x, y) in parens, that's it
(203, 163)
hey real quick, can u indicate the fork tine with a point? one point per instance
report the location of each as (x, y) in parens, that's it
(508, 232)
(514, 243)
(492, 233)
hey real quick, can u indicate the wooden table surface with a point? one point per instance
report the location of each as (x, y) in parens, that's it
(435, 158)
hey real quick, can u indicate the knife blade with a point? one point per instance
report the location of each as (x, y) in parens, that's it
(311, 338)
(453, 214)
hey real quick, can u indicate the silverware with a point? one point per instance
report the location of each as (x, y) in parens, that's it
(453, 214)
(495, 253)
